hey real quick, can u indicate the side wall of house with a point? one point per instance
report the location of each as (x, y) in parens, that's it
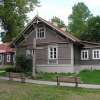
(90, 63)
(64, 54)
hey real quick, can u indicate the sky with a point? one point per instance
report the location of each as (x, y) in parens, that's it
(62, 8)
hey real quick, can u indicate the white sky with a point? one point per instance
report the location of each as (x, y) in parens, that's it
(62, 8)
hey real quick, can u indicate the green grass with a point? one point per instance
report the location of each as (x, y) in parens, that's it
(17, 91)
(52, 76)
(90, 76)
(2, 72)
(86, 76)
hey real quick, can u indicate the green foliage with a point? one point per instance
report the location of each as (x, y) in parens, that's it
(86, 76)
(92, 31)
(78, 19)
(24, 63)
(9, 69)
(14, 16)
(2, 72)
(59, 22)
(13, 69)
(90, 76)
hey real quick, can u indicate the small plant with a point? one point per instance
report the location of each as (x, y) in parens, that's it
(12, 69)
(24, 63)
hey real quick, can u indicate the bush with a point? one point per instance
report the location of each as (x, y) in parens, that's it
(12, 69)
(9, 69)
(24, 64)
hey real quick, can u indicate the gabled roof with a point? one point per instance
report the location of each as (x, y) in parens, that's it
(5, 48)
(92, 43)
(88, 44)
(65, 34)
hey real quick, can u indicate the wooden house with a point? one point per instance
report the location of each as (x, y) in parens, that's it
(56, 50)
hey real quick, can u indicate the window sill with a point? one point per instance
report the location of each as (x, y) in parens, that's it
(85, 59)
(95, 58)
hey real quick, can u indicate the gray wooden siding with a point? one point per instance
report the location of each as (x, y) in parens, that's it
(64, 54)
(64, 47)
(51, 37)
(90, 61)
(42, 55)
(21, 51)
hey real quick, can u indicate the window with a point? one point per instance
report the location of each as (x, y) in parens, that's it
(14, 56)
(8, 57)
(96, 54)
(52, 52)
(84, 55)
(40, 33)
(52, 55)
(0, 57)
(28, 52)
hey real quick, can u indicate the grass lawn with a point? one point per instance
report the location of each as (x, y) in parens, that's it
(88, 76)
(2, 72)
(17, 91)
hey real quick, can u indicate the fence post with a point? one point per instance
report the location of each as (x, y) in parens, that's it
(58, 83)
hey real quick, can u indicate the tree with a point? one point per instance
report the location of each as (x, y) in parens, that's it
(92, 31)
(78, 19)
(59, 22)
(14, 16)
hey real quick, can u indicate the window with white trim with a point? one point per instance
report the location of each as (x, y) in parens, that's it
(84, 54)
(14, 58)
(0, 57)
(52, 54)
(8, 57)
(40, 32)
(96, 54)
(28, 52)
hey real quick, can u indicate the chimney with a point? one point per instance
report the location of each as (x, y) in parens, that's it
(63, 28)
(55, 23)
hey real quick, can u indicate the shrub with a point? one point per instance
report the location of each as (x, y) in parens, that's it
(9, 69)
(12, 69)
(24, 63)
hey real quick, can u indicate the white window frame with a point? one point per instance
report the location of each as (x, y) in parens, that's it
(49, 52)
(1, 56)
(83, 54)
(28, 52)
(52, 46)
(95, 50)
(8, 57)
(39, 28)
